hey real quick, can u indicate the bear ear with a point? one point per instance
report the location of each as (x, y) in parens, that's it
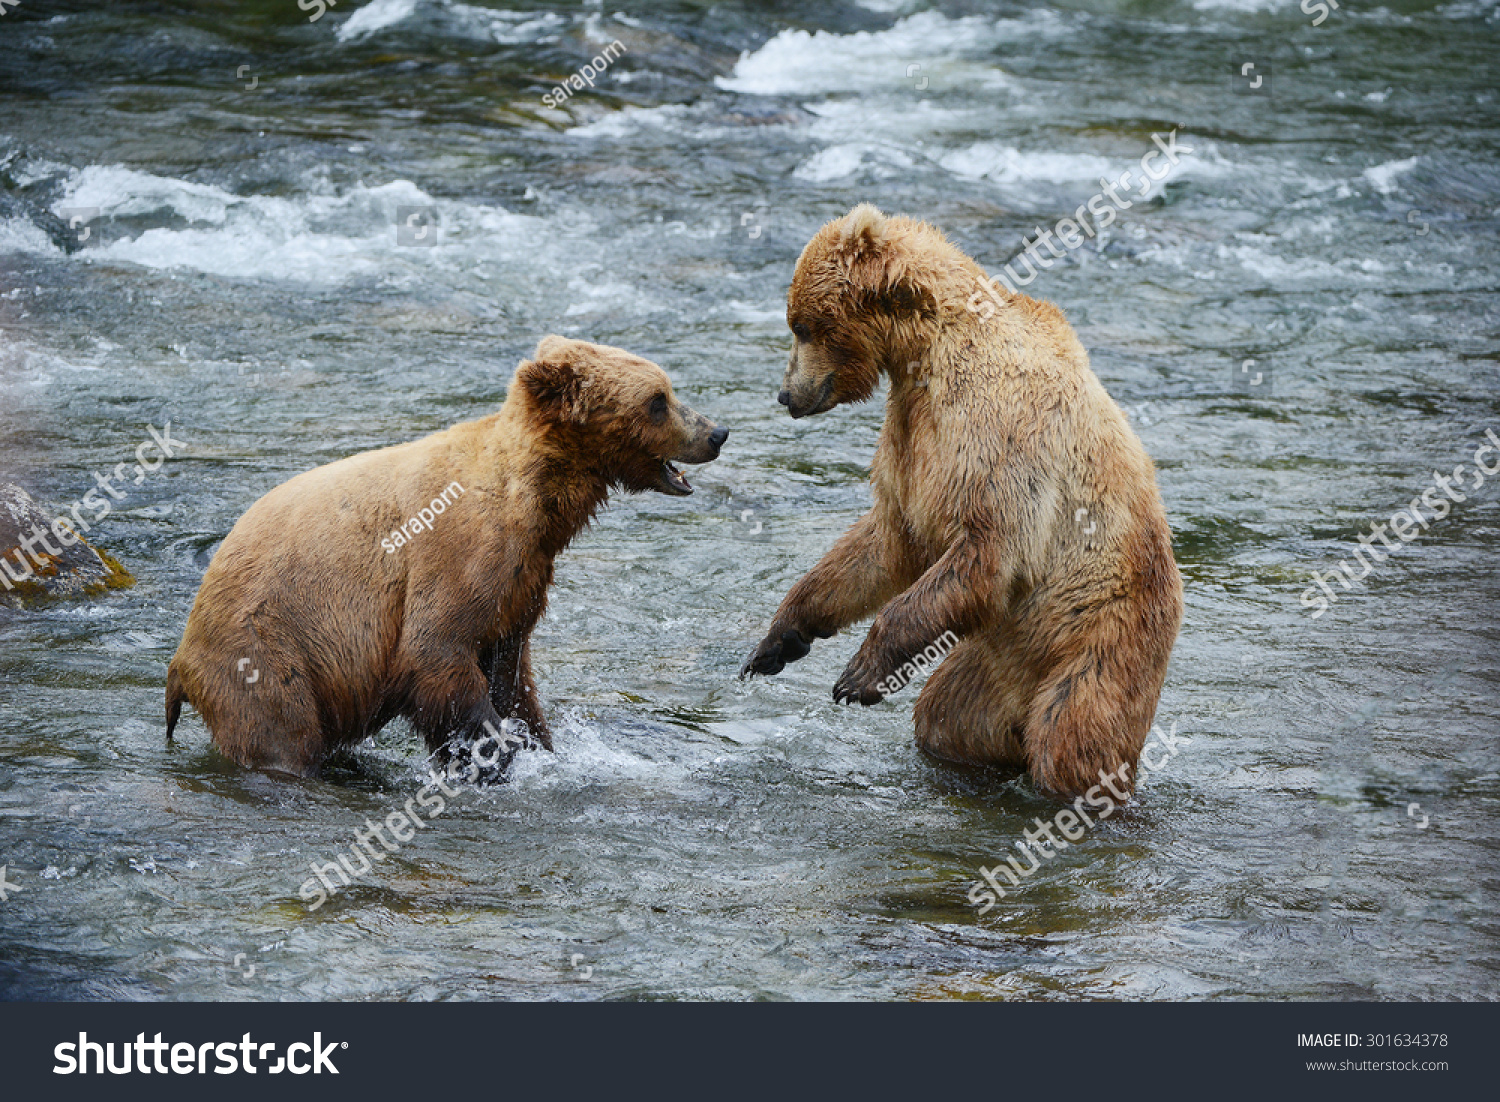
(553, 347)
(554, 385)
(878, 266)
(862, 232)
(863, 247)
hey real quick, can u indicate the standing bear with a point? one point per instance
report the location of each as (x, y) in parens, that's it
(406, 581)
(1013, 507)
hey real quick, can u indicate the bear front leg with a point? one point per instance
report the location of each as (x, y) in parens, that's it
(858, 575)
(953, 596)
(512, 690)
(455, 716)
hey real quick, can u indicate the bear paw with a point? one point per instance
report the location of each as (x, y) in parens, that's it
(774, 652)
(859, 683)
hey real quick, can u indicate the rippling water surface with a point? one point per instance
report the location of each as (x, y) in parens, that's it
(1327, 832)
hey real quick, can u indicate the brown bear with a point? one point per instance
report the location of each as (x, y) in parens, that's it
(1013, 507)
(407, 581)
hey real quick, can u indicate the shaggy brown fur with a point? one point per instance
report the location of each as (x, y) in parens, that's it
(997, 438)
(347, 636)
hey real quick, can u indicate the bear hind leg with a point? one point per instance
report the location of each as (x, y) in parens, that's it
(970, 711)
(284, 736)
(1088, 721)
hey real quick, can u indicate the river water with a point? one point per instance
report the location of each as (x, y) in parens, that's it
(198, 224)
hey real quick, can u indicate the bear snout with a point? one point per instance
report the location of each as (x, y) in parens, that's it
(803, 398)
(704, 442)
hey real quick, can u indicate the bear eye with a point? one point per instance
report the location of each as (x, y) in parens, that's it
(658, 407)
(801, 332)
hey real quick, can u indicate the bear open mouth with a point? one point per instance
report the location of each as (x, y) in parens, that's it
(673, 480)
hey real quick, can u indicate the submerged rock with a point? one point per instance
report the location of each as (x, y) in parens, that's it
(40, 557)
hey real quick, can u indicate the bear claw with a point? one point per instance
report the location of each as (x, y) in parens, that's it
(850, 694)
(855, 686)
(771, 657)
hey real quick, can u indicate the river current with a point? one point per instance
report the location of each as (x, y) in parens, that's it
(206, 217)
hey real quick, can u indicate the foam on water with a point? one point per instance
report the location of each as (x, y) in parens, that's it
(463, 20)
(586, 753)
(753, 313)
(1488, 10)
(119, 191)
(1243, 5)
(797, 62)
(921, 127)
(1384, 176)
(840, 161)
(670, 117)
(591, 296)
(376, 16)
(25, 171)
(1302, 269)
(321, 236)
(1007, 165)
(1016, 172)
(24, 366)
(19, 236)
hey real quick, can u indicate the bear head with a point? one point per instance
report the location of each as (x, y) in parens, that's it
(863, 300)
(602, 409)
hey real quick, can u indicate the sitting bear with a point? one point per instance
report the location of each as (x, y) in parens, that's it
(407, 581)
(1013, 508)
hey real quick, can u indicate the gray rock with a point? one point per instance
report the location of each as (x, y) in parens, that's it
(78, 569)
